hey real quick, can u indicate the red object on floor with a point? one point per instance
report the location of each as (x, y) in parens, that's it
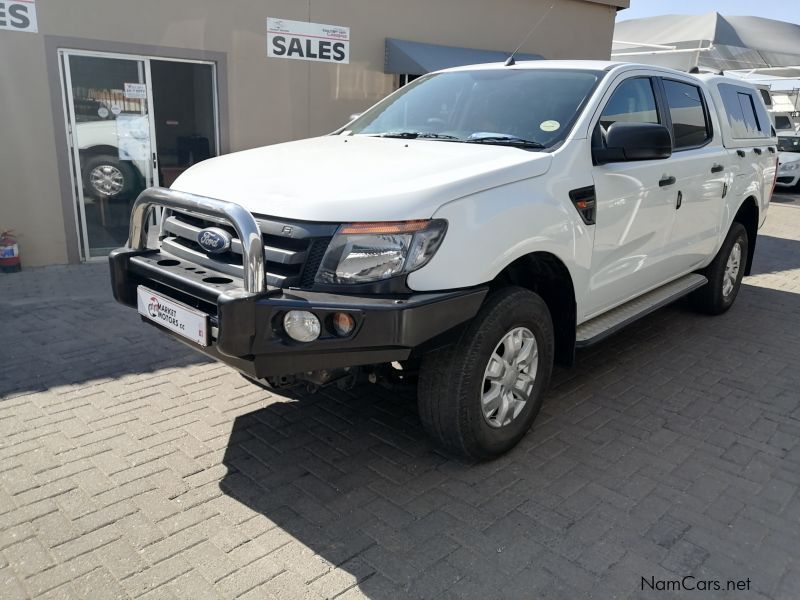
(9, 252)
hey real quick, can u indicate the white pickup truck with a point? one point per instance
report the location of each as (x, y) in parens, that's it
(476, 226)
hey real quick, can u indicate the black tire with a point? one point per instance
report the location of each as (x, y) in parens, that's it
(129, 176)
(451, 380)
(710, 298)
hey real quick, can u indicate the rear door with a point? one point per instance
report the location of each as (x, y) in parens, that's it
(701, 167)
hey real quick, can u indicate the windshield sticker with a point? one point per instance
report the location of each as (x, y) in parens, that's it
(549, 125)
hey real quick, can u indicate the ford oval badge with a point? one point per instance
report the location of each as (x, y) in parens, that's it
(214, 240)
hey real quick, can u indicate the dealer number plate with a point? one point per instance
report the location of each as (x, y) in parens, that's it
(175, 316)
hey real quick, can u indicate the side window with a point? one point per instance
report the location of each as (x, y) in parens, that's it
(783, 122)
(765, 97)
(688, 112)
(632, 101)
(746, 113)
(749, 114)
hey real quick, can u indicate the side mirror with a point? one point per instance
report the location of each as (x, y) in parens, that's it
(634, 141)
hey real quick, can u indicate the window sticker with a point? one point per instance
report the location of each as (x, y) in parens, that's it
(549, 125)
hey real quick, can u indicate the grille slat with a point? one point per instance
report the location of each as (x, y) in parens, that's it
(293, 250)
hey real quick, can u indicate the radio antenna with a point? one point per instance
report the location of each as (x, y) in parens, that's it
(510, 62)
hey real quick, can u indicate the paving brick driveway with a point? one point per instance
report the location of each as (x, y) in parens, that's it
(131, 467)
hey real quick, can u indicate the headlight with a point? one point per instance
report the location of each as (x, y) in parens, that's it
(791, 166)
(365, 252)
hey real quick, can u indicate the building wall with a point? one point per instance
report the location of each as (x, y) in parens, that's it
(270, 100)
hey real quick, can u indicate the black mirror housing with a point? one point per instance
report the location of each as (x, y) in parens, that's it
(626, 141)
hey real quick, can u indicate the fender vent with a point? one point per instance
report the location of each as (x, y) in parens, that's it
(585, 202)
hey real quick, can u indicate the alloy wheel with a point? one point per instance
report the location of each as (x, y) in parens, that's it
(107, 180)
(509, 377)
(732, 270)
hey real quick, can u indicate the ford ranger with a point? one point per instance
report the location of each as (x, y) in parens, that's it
(473, 228)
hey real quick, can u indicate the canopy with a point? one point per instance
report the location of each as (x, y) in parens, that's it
(404, 57)
(711, 41)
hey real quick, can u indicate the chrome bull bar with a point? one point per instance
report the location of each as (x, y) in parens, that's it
(242, 221)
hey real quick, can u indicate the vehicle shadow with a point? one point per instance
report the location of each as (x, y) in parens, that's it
(350, 479)
(775, 255)
(60, 326)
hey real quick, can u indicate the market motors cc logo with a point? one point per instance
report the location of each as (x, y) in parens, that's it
(153, 307)
(214, 240)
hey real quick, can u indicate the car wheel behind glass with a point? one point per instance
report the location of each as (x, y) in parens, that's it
(107, 177)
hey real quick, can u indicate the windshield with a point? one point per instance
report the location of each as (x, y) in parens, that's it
(789, 144)
(535, 106)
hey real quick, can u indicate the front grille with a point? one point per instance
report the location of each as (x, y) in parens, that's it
(293, 250)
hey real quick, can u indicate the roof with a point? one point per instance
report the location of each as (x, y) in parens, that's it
(711, 40)
(590, 65)
(585, 65)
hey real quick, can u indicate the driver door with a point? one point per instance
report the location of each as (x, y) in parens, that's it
(635, 207)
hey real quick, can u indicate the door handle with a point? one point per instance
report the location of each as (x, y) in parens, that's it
(757, 150)
(717, 169)
(771, 150)
(664, 181)
(740, 153)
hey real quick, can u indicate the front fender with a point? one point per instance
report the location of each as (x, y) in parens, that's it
(490, 230)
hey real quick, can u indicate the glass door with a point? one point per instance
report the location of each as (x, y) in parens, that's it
(109, 119)
(133, 122)
(184, 109)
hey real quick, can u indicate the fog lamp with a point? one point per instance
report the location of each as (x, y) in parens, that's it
(301, 325)
(343, 324)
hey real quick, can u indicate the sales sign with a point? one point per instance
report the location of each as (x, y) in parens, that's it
(18, 15)
(308, 41)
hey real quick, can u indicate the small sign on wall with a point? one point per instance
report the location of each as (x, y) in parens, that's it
(18, 15)
(308, 41)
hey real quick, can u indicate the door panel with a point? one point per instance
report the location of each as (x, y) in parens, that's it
(698, 220)
(111, 137)
(634, 221)
(634, 213)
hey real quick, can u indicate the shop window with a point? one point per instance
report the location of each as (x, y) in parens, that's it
(405, 79)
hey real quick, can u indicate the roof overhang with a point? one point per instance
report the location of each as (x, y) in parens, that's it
(404, 57)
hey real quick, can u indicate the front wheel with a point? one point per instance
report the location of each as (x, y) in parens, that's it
(724, 274)
(478, 397)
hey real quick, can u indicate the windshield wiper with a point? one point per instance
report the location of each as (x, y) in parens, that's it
(505, 140)
(416, 135)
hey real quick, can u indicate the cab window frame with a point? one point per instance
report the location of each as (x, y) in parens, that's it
(668, 115)
(596, 139)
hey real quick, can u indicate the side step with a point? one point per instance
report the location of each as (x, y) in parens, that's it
(600, 327)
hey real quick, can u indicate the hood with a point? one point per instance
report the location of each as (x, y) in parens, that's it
(787, 157)
(358, 178)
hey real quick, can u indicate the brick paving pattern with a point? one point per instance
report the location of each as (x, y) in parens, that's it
(132, 467)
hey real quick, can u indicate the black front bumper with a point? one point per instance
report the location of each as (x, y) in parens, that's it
(247, 329)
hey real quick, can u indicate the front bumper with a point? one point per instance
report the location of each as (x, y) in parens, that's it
(246, 330)
(787, 179)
